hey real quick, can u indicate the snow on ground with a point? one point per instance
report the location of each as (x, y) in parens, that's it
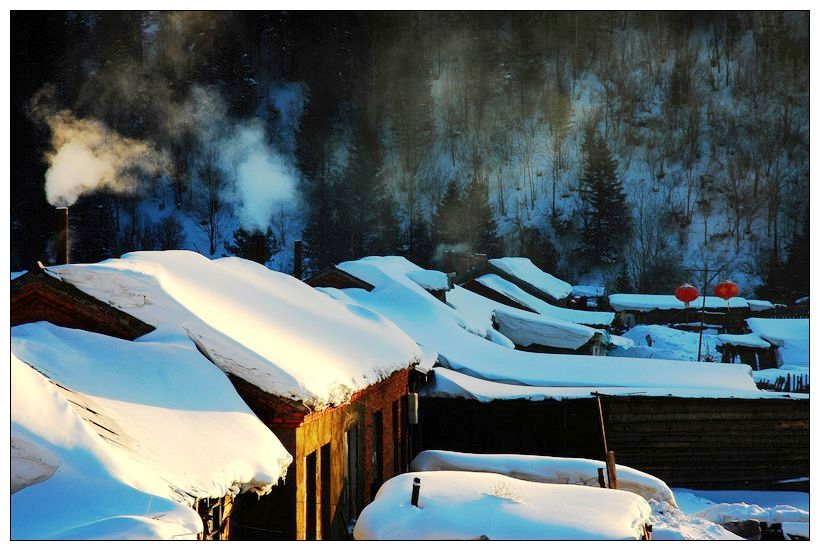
(431, 280)
(675, 344)
(670, 523)
(470, 505)
(265, 327)
(435, 326)
(537, 468)
(646, 303)
(790, 336)
(136, 431)
(447, 383)
(525, 270)
(518, 295)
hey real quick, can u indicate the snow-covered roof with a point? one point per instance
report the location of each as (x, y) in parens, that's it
(116, 438)
(525, 329)
(431, 280)
(440, 328)
(588, 291)
(447, 383)
(520, 326)
(467, 506)
(539, 468)
(646, 303)
(516, 294)
(15, 275)
(525, 270)
(791, 336)
(759, 305)
(676, 344)
(265, 327)
(752, 340)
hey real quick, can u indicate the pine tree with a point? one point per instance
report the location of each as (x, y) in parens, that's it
(448, 220)
(419, 248)
(623, 283)
(796, 274)
(606, 217)
(482, 227)
(253, 245)
(537, 246)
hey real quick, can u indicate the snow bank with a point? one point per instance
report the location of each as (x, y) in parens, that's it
(469, 506)
(670, 523)
(265, 327)
(518, 295)
(447, 383)
(525, 270)
(431, 280)
(646, 303)
(728, 512)
(536, 468)
(436, 326)
(791, 336)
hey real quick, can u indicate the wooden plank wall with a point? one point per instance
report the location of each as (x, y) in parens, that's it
(711, 443)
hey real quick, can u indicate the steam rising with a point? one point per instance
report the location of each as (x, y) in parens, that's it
(88, 156)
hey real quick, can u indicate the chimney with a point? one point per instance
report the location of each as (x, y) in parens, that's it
(258, 240)
(62, 237)
(297, 259)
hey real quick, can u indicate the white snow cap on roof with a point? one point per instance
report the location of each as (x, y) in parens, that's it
(540, 468)
(520, 296)
(467, 506)
(646, 303)
(588, 291)
(431, 280)
(791, 336)
(136, 431)
(265, 327)
(759, 305)
(524, 269)
(438, 327)
(752, 340)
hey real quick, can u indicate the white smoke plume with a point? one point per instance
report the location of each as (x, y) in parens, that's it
(88, 156)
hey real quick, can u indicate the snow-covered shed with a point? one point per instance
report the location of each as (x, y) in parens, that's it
(789, 340)
(113, 439)
(643, 309)
(523, 273)
(330, 379)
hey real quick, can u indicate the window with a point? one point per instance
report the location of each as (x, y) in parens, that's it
(377, 457)
(310, 496)
(325, 497)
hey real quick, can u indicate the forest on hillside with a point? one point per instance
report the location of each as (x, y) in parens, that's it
(610, 147)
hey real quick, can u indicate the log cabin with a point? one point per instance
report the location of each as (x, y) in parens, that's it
(522, 273)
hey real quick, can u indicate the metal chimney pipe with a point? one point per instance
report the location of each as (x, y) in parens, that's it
(62, 237)
(297, 259)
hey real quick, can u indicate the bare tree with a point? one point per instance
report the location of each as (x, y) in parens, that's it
(209, 210)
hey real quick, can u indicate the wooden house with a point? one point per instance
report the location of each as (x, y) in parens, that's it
(40, 295)
(335, 278)
(347, 431)
(342, 455)
(638, 309)
(494, 266)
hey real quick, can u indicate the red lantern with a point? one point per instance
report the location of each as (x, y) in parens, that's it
(726, 289)
(686, 293)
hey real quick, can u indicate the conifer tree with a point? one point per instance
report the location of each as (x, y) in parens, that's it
(607, 219)
(482, 226)
(253, 245)
(448, 222)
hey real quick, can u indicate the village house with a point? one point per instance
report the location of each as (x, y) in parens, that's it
(640, 309)
(524, 274)
(139, 439)
(333, 381)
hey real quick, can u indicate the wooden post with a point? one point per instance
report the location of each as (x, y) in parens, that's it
(601, 423)
(612, 476)
(414, 497)
(601, 480)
